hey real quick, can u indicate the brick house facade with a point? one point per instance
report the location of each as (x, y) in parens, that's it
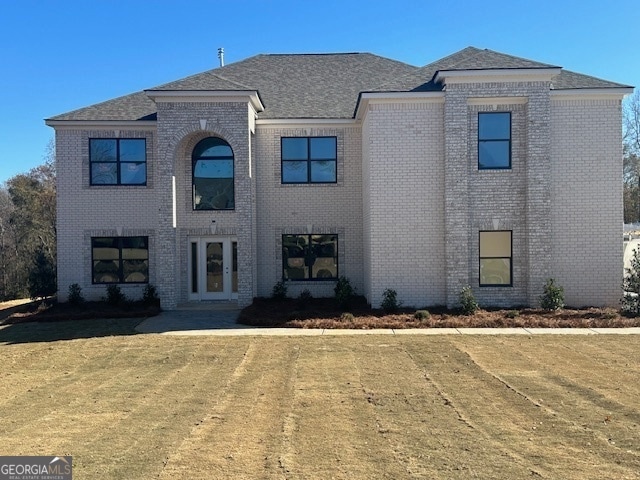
(478, 169)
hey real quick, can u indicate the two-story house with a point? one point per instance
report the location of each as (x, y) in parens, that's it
(479, 169)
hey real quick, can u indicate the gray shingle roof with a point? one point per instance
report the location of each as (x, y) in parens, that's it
(322, 85)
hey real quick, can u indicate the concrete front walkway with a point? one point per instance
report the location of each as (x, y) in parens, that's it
(220, 319)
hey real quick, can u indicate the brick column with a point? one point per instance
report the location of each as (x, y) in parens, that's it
(538, 201)
(456, 205)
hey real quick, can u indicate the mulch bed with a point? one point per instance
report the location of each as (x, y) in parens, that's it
(326, 313)
(54, 312)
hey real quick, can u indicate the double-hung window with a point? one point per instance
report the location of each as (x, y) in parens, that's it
(120, 259)
(494, 140)
(118, 161)
(310, 257)
(495, 258)
(309, 159)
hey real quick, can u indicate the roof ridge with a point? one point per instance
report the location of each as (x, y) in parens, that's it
(231, 81)
(311, 54)
(549, 65)
(470, 49)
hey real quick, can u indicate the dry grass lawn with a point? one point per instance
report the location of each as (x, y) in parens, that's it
(344, 407)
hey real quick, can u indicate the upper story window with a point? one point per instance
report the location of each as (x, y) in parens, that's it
(213, 175)
(120, 259)
(495, 258)
(494, 140)
(310, 257)
(309, 159)
(118, 161)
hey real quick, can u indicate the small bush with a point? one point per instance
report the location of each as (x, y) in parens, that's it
(512, 314)
(305, 295)
(279, 291)
(347, 317)
(75, 294)
(468, 302)
(150, 295)
(390, 302)
(552, 297)
(631, 287)
(422, 315)
(115, 295)
(344, 292)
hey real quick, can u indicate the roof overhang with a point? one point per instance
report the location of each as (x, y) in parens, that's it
(305, 121)
(367, 98)
(251, 96)
(591, 93)
(111, 124)
(497, 75)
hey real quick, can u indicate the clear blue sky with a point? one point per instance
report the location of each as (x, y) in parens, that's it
(56, 56)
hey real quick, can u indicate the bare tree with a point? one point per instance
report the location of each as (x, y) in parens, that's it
(631, 159)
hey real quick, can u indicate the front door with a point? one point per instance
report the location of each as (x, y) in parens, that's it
(213, 268)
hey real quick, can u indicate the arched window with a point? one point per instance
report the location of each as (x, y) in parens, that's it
(213, 172)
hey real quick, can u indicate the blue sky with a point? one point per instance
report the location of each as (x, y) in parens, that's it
(65, 54)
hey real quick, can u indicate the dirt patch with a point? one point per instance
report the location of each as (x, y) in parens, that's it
(326, 313)
(357, 407)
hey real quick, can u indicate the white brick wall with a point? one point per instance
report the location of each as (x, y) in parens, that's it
(88, 211)
(404, 198)
(586, 210)
(329, 208)
(407, 207)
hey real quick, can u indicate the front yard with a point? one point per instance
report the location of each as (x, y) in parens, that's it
(131, 406)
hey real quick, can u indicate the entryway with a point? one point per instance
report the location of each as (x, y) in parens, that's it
(213, 268)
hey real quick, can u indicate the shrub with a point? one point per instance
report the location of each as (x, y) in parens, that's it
(422, 315)
(150, 295)
(468, 302)
(42, 276)
(304, 298)
(512, 314)
(347, 317)
(552, 297)
(631, 286)
(115, 295)
(305, 295)
(344, 292)
(279, 291)
(390, 302)
(75, 294)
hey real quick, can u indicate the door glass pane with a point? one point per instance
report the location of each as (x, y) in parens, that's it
(194, 267)
(214, 267)
(234, 271)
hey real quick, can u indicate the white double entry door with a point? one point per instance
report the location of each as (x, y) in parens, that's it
(213, 268)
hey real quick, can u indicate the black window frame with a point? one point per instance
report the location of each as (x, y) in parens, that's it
(309, 160)
(496, 140)
(309, 256)
(480, 258)
(194, 159)
(120, 272)
(118, 163)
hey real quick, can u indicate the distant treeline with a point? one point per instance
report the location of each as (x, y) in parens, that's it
(28, 232)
